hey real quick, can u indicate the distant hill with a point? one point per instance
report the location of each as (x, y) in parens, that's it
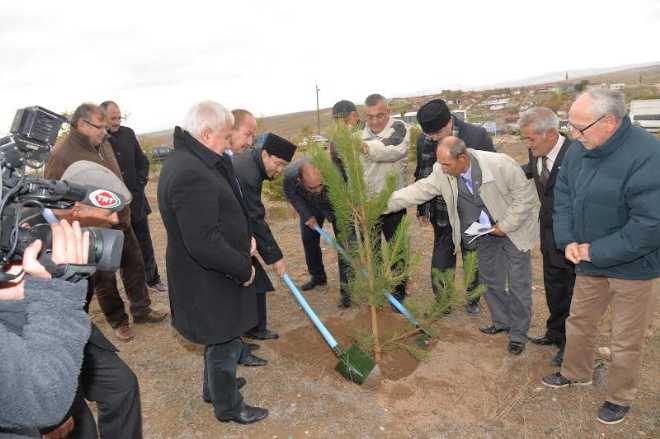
(611, 74)
(293, 124)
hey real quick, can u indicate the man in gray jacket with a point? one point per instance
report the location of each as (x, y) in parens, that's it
(42, 353)
(385, 152)
(488, 192)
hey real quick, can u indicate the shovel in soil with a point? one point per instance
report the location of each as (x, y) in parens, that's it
(395, 303)
(354, 364)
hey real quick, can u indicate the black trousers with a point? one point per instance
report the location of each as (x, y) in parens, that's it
(262, 312)
(143, 235)
(132, 275)
(387, 225)
(559, 283)
(314, 257)
(108, 381)
(444, 257)
(219, 381)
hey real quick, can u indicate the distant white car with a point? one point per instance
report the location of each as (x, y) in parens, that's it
(316, 138)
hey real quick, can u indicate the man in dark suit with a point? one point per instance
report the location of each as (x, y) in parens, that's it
(539, 129)
(437, 123)
(252, 168)
(305, 189)
(209, 254)
(134, 167)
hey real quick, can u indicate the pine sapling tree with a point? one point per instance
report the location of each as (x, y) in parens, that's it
(447, 292)
(377, 266)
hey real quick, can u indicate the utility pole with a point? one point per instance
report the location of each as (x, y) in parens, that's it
(318, 113)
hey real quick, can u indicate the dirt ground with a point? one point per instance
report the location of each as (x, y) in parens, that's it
(468, 387)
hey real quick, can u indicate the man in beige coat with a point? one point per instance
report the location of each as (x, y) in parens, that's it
(490, 192)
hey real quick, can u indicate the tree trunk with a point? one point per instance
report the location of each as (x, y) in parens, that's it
(374, 329)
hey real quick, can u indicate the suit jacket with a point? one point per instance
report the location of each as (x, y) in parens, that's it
(307, 204)
(508, 195)
(547, 198)
(134, 167)
(208, 244)
(251, 174)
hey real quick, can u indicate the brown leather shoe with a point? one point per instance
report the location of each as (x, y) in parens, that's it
(152, 316)
(124, 333)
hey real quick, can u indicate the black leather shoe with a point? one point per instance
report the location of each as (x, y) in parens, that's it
(343, 304)
(252, 360)
(247, 415)
(492, 330)
(240, 382)
(516, 348)
(543, 340)
(251, 346)
(266, 334)
(558, 359)
(312, 283)
(473, 308)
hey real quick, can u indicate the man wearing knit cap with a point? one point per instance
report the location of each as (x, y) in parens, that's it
(437, 123)
(252, 168)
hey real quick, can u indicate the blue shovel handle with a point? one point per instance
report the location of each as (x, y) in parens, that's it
(311, 314)
(398, 305)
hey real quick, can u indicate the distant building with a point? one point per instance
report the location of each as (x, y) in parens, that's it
(504, 102)
(490, 126)
(618, 86)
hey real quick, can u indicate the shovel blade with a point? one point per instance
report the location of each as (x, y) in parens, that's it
(355, 365)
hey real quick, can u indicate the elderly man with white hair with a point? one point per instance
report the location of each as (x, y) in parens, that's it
(607, 220)
(539, 129)
(209, 254)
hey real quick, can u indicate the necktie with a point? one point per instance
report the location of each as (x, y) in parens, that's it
(468, 184)
(545, 172)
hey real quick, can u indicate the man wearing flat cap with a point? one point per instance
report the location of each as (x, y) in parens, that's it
(437, 123)
(104, 377)
(342, 112)
(252, 168)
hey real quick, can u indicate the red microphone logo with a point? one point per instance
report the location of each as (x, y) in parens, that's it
(104, 199)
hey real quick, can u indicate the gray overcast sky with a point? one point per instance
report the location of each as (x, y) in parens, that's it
(158, 58)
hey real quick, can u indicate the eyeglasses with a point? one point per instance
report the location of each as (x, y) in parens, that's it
(582, 130)
(98, 127)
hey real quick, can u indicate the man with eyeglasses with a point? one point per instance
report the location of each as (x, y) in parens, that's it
(437, 123)
(304, 188)
(607, 220)
(86, 140)
(385, 151)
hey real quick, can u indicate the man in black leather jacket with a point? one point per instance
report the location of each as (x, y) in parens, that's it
(437, 123)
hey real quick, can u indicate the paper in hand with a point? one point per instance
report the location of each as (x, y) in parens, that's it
(477, 229)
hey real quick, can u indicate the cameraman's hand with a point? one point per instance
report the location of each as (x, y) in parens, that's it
(70, 246)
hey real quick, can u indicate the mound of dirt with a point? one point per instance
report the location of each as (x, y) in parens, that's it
(306, 345)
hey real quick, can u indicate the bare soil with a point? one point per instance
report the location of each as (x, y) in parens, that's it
(468, 387)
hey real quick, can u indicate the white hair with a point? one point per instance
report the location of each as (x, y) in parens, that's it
(542, 120)
(606, 101)
(206, 115)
